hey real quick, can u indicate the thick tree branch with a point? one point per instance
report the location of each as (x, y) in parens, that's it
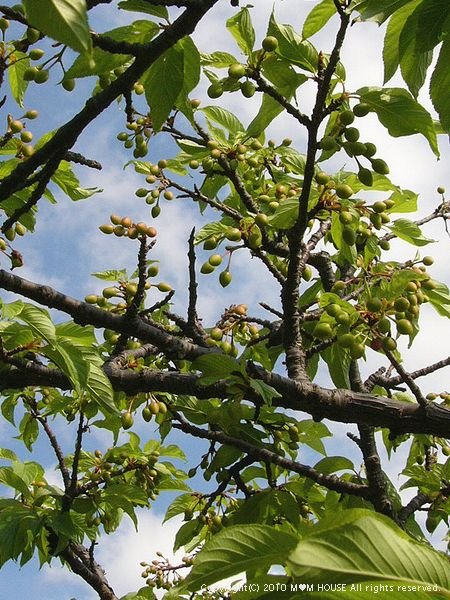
(84, 313)
(67, 135)
(80, 561)
(267, 456)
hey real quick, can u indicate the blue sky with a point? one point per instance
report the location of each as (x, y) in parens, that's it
(67, 248)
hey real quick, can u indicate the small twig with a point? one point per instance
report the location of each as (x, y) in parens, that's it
(407, 379)
(264, 455)
(78, 158)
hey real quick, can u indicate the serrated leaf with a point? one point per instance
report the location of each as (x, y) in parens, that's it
(318, 17)
(180, 505)
(63, 20)
(144, 7)
(237, 549)
(216, 366)
(223, 117)
(291, 46)
(440, 84)
(68, 182)
(400, 113)
(39, 321)
(111, 275)
(376, 10)
(80, 334)
(338, 361)
(100, 389)
(102, 61)
(333, 464)
(241, 28)
(219, 60)
(410, 232)
(19, 63)
(163, 82)
(361, 545)
(267, 392)
(413, 63)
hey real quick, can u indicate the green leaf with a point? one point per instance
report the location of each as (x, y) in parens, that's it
(440, 84)
(267, 392)
(237, 549)
(39, 321)
(333, 464)
(400, 113)
(19, 63)
(269, 109)
(186, 533)
(360, 545)
(413, 64)
(391, 57)
(180, 504)
(111, 275)
(219, 60)
(14, 481)
(410, 232)
(144, 7)
(191, 77)
(318, 17)
(377, 10)
(163, 82)
(215, 366)
(433, 15)
(338, 361)
(63, 20)
(101, 61)
(70, 360)
(100, 389)
(80, 334)
(440, 299)
(241, 28)
(223, 117)
(291, 46)
(68, 182)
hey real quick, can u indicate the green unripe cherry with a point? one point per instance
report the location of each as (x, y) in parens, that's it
(349, 235)
(361, 109)
(233, 234)
(371, 150)
(345, 217)
(36, 53)
(215, 260)
(164, 287)
(323, 331)
(127, 420)
(351, 134)
(270, 43)
(380, 166)
(42, 76)
(374, 304)
(405, 327)
(236, 71)
(346, 117)
(389, 344)
(357, 350)
(225, 278)
(379, 207)
(346, 340)
(328, 143)
(215, 90)
(343, 190)
(365, 176)
(69, 84)
(248, 89)
(322, 178)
